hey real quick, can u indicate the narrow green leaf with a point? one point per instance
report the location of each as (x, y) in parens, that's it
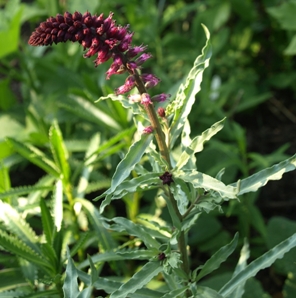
(18, 226)
(78, 245)
(35, 156)
(175, 293)
(204, 292)
(136, 254)
(185, 97)
(11, 278)
(89, 111)
(242, 263)
(47, 221)
(217, 258)
(94, 274)
(19, 248)
(254, 182)
(123, 224)
(260, 263)
(138, 280)
(4, 178)
(124, 168)
(70, 287)
(201, 180)
(90, 156)
(23, 190)
(105, 239)
(198, 142)
(110, 286)
(59, 150)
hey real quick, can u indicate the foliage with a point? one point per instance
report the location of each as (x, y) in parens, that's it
(83, 212)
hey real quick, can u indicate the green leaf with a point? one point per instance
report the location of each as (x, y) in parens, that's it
(254, 182)
(35, 156)
(70, 287)
(11, 278)
(204, 292)
(23, 190)
(285, 14)
(59, 151)
(18, 226)
(242, 263)
(90, 156)
(217, 258)
(19, 248)
(197, 143)
(47, 221)
(138, 280)
(185, 97)
(131, 254)
(201, 180)
(10, 36)
(105, 240)
(87, 110)
(175, 293)
(127, 164)
(142, 232)
(260, 263)
(78, 245)
(291, 48)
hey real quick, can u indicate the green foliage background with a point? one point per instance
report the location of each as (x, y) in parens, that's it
(54, 89)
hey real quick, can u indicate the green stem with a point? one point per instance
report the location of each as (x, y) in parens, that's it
(164, 151)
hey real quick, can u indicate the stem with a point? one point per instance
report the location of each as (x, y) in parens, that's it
(164, 151)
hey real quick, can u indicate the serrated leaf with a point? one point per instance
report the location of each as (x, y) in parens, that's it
(70, 287)
(23, 190)
(197, 143)
(201, 180)
(35, 156)
(254, 182)
(185, 97)
(138, 280)
(19, 248)
(260, 263)
(124, 168)
(18, 226)
(59, 151)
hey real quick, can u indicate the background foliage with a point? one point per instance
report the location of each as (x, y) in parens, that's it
(47, 98)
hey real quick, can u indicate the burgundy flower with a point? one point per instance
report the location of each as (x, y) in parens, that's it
(161, 112)
(148, 130)
(145, 99)
(129, 84)
(150, 80)
(160, 97)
